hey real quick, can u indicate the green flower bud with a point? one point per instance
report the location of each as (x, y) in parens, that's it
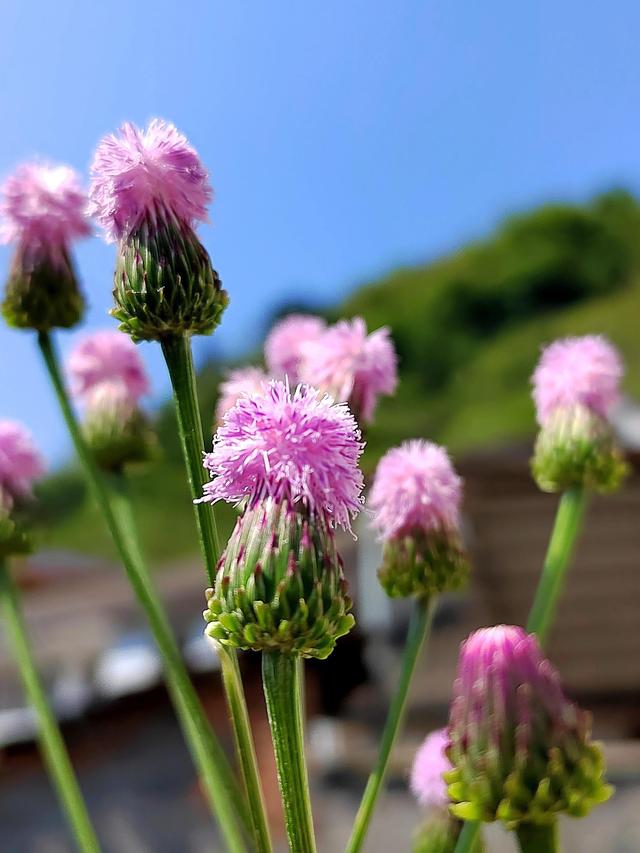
(423, 563)
(117, 431)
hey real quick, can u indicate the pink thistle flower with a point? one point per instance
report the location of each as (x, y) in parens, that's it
(107, 357)
(415, 488)
(573, 372)
(430, 762)
(20, 462)
(352, 366)
(242, 382)
(298, 446)
(520, 750)
(284, 344)
(138, 174)
(43, 207)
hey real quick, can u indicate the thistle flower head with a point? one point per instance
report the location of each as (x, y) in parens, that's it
(139, 173)
(520, 750)
(430, 762)
(107, 358)
(239, 383)
(284, 344)
(415, 499)
(351, 365)
(43, 205)
(20, 461)
(415, 487)
(297, 446)
(573, 372)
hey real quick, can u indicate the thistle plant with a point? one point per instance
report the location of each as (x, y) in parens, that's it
(415, 498)
(284, 345)
(20, 465)
(521, 752)
(290, 460)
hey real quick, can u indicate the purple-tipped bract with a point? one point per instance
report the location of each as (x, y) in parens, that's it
(139, 174)
(297, 446)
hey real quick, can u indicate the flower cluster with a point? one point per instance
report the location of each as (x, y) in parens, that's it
(285, 342)
(241, 382)
(415, 500)
(575, 385)
(42, 212)
(108, 377)
(149, 190)
(291, 460)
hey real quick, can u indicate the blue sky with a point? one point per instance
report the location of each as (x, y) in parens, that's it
(343, 139)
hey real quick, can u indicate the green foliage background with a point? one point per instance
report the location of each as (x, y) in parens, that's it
(468, 329)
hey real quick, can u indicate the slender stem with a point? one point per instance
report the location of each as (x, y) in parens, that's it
(179, 359)
(565, 531)
(282, 691)
(538, 839)
(468, 837)
(217, 777)
(418, 631)
(51, 742)
(245, 747)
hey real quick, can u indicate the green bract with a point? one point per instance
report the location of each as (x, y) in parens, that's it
(164, 283)
(119, 438)
(280, 585)
(423, 563)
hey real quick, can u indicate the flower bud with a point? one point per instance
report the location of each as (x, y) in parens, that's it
(290, 459)
(575, 385)
(42, 213)
(416, 498)
(116, 430)
(521, 752)
(148, 190)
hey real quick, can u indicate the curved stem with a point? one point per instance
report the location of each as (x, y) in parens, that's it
(282, 690)
(49, 735)
(217, 777)
(538, 839)
(467, 837)
(565, 531)
(418, 631)
(245, 747)
(179, 359)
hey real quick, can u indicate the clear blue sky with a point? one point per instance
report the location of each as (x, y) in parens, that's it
(343, 138)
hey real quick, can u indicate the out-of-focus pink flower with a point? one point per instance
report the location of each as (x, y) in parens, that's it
(138, 174)
(415, 489)
(297, 446)
(427, 783)
(20, 462)
(107, 357)
(582, 371)
(284, 343)
(43, 208)
(351, 366)
(239, 383)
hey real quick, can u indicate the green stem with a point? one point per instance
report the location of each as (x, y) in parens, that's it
(179, 359)
(51, 742)
(217, 777)
(467, 837)
(538, 839)
(418, 631)
(565, 531)
(245, 747)
(282, 690)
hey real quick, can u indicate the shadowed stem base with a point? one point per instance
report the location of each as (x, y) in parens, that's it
(51, 743)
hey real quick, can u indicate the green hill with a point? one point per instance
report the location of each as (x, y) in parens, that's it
(468, 329)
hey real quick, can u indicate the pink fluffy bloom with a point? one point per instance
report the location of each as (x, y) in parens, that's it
(43, 206)
(284, 343)
(242, 382)
(415, 487)
(427, 784)
(107, 357)
(352, 366)
(20, 461)
(582, 371)
(143, 173)
(296, 446)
